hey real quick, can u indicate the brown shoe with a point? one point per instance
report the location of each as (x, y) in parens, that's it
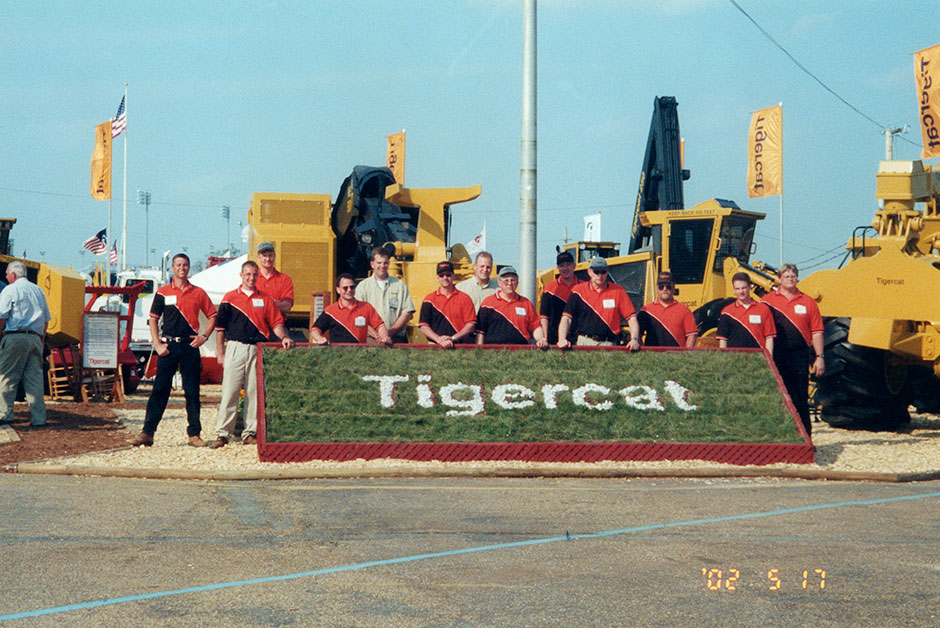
(218, 443)
(250, 440)
(195, 441)
(144, 439)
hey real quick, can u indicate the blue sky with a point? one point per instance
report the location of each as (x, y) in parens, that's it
(230, 98)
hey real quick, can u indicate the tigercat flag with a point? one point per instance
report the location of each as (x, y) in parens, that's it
(765, 154)
(395, 157)
(927, 75)
(101, 163)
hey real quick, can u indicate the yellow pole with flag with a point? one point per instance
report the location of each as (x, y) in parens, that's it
(395, 157)
(101, 163)
(927, 75)
(765, 158)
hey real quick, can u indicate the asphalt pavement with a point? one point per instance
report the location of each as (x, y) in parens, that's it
(80, 551)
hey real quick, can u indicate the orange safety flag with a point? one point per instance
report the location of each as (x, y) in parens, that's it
(927, 75)
(395, 158)
(765, 153)
(101, 163)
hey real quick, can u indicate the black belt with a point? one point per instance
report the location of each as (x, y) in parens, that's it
(23, 331)
(599, 338)
(177, 338)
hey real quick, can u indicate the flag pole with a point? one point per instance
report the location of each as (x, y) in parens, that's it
(124, 230)
(781, 184)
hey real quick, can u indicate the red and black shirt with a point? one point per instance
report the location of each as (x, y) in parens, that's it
(597, 313)
(447, 314)
(505, 321)
(348, 323)
(746, 326)
(180, 309)
(247, 318)
(552, 306)
(797, 318)
(278, 286)
(666, 325)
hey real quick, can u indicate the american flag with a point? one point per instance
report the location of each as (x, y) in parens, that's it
(96, 243)
(113, 257)
(119, 123)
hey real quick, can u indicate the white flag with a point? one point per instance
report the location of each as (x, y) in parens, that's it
(477, 244)
(592, 228)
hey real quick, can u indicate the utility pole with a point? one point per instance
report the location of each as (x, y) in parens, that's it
(528, 189)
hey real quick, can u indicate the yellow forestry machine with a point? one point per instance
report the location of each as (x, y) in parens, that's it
(882, 307)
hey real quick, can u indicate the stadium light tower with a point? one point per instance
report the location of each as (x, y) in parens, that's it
(143, 198)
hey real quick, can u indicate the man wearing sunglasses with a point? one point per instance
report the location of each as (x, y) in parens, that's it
(666, 322)
(595, 309)
(348, 320)
(447, 314)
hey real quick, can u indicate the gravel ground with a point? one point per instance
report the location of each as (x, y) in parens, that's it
(913, 453)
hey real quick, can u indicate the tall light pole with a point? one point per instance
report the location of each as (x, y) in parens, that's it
(224, 210)
(527, 196)
(143, 198)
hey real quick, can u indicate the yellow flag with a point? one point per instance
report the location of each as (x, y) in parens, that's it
(395, 158)
(927, 74)
(765, 153)
(101, 163)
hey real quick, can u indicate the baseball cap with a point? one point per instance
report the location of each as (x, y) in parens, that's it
(665, 277)
(265, 246)
(564, 256)
(598, 263)
(444, 267)
(507, 270)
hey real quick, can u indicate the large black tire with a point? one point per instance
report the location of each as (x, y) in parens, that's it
(706, 317)
(862, 388)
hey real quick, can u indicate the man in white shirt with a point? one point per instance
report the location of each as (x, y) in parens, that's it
(481, 285)
(388, 295)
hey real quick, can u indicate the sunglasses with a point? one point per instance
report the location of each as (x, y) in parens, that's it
(445, 274)
(663, 286)
(345, 288)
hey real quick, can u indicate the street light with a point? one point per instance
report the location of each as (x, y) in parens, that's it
(224, 210)
(143, 198)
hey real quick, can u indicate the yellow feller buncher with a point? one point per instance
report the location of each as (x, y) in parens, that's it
(882, 307)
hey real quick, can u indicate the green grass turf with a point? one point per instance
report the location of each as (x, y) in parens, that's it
(317, 394)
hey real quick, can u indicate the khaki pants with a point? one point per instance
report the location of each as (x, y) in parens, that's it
(21, 359)
(240, 371)
(584, 341)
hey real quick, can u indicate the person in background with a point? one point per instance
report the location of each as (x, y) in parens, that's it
(348, 320)
(24, 318)
(481, 285)
(388, 295)
(555, 297)
(447, 314)
(507, 318)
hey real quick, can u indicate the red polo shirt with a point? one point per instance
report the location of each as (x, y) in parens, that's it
(797, 318)
(180, 309)
(597, 313)
(348, 324)
(247, 318)
(446, 314)
(746, 325)
(505, 321)
(279, 286)
(666, 325)
(552, 306)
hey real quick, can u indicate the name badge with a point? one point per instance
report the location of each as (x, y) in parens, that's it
(520, 311)
(170, 300)
(360, 321)
(393, 303)
(799, 309)
(257, 302)
(609, 304)
(753, 319)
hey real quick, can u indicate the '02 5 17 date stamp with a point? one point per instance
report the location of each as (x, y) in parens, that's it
(731, 579)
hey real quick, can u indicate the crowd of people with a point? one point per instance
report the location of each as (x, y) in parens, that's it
(480, 310)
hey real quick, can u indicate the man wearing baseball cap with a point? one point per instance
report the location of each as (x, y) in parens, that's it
(555, 297)
(508, 318)
(595, 310)
(447, 314)
(275, 284)
(666, 322)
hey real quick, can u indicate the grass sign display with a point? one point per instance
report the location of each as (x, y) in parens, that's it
(496, 403)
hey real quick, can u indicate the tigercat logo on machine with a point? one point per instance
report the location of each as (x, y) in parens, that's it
(888, 281)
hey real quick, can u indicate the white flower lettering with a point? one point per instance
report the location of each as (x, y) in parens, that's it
(512, 396)
(580, 397)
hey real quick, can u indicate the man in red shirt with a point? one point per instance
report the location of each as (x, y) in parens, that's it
(666, 322)
(276, 285)
(178, 305)
(507, 318)
(246, 317)
(447, 314)
(348, 320)
(595, 309)
(799, 329)
(555, 297)
(746, 323)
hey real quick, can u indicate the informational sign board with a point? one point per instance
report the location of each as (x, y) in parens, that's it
(100, 340)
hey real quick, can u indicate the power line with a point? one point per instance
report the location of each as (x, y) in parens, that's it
(62, 195)
(810, 74)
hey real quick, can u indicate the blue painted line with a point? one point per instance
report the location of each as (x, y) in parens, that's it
(456, 552)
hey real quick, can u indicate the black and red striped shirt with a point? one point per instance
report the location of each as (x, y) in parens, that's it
(180, 309)
(247, 318)
(598, 313)
(746, 326)
(797, 318)
(447, 314)
(505, 321)
(552, 306)
(348, 324)
(666, 325)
